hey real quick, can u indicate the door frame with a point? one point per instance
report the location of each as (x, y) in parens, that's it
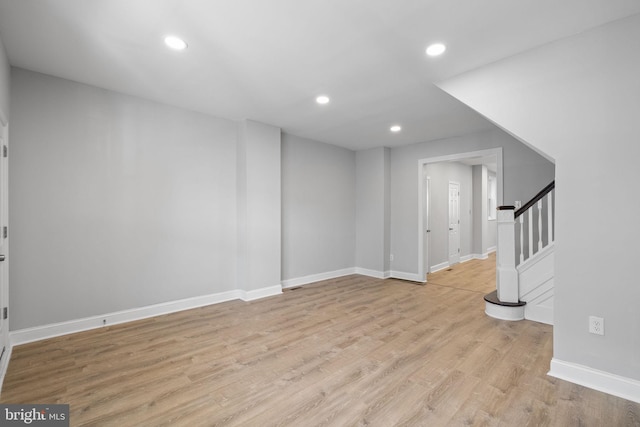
(451, 158)
(456, 256)
(425, 231)
(4, 271)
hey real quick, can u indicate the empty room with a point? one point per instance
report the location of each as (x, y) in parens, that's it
(307, 213)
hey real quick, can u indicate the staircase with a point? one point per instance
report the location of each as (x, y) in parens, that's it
(525, 261)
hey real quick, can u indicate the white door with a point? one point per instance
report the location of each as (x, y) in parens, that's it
(454, 222)
(425, 222)
(4, 246)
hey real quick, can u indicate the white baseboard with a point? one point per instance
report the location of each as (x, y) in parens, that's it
(37, 333)
(412, 277)
(492, 249)
(305, 280)
(373, 273)
(605, 382)
(290, 283)
(438, 267)
(475, 256)
(260, 293)
(463, 258)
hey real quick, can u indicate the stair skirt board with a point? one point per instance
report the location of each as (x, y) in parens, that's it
(539, 313)
(539, 306)
(536, 284)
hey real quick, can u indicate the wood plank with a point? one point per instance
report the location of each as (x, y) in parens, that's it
(349, 351)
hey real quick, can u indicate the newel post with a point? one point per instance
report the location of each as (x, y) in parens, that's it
(507, 275)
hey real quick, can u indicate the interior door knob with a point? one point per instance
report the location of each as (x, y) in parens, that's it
(1, 257)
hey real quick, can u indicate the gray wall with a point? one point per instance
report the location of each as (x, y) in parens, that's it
(480, 214)
(259, 206)
(116, 202)
(318, 207)
(5, 72)
(372, 209)
(493, 234)
(120, 203)
(525, 173)
(577, 102)
(440, 174)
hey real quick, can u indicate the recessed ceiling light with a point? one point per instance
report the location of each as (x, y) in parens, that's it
(395, 128)
(322, 99)
(175, 42)
(436, 49)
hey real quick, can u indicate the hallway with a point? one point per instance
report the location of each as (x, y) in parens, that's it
(474, 275)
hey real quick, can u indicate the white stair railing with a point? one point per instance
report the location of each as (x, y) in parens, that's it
(538, 216)
(539, 230)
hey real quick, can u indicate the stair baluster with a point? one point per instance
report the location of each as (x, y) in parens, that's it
(539, 225)
(521, 222)
(550, 217)
(530, 223)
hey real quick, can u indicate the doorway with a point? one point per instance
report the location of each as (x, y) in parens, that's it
(426, 206)
(454, 222)
(426, 230)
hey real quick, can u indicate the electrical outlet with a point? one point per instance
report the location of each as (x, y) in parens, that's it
(391, 257)
(596, 325)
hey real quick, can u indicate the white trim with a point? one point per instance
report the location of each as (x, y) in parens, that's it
(312, 278)
(37, 333)
(474, 256)
(4, 123)
(439, 267)
(424, 210)
(456, 257)
(466, 258)
(412, 277)
(492, 249)
(304, 280)
(538, 313)
(260, 293)
(606, 382)
(373, 273)
(503, 312)
(449, 158)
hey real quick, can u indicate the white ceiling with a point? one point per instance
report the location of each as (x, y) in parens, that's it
(267, 60)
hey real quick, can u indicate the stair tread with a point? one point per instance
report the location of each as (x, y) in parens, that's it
(493, 299)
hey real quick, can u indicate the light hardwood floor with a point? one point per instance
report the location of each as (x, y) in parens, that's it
(349, 351)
